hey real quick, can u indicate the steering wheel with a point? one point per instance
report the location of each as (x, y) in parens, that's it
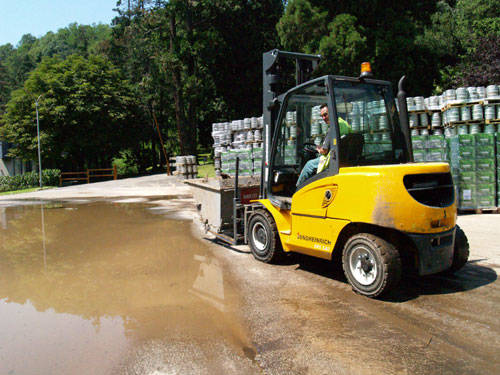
(309, 148)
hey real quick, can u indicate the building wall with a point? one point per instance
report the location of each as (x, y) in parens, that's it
(6, 167)
(10, 166)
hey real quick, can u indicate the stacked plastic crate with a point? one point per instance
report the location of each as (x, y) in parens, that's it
(485, 170)
(498, 167)
(427, 129)
(473, 165)
(257, 156)
(429, 148)
(250, 161)
(238, 138)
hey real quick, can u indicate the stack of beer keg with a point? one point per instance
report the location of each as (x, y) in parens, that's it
(238, 138)
(186, 167)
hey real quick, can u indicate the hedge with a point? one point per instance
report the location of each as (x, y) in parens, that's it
(50, 177)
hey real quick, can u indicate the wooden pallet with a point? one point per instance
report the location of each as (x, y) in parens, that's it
(460, 104)
(494, 100)
(419, 111)
(484, 210)
(496, 121)
(466, 122)
(428, 127)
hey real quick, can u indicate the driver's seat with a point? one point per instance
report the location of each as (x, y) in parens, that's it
(351, 148)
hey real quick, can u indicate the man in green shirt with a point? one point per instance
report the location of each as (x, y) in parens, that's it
(311, 167)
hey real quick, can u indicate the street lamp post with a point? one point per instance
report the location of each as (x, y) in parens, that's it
(38, 136)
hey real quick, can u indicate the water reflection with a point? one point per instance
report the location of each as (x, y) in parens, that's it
(46, 342)
(3, 218)
(130, 275)
(209, 284)
(43, 239)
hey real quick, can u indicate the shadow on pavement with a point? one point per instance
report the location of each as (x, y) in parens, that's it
(237, 249)
(470, 277)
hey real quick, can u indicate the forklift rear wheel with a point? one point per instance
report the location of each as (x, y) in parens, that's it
(460, 251)
(372, 265)
(263, 237)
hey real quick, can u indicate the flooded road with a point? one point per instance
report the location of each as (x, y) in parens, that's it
(103, 288)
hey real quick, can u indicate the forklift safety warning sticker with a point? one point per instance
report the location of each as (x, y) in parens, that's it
(313, 239)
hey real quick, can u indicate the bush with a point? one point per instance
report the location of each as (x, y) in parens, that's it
(50, 177)
(126, 166)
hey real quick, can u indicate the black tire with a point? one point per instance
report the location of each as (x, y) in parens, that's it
(263, 237)
(460, 251)
(371, 265)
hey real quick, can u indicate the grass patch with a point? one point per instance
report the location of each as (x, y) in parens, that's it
(204, 159)
(27, 190)
(206, 170)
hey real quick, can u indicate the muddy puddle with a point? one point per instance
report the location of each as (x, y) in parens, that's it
(105, 288)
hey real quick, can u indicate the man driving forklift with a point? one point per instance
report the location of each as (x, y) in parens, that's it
(319, 163)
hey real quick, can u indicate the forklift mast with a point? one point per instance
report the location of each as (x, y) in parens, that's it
(273, 85)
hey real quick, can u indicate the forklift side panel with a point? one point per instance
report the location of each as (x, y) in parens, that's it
(377, 195)
(315, 236)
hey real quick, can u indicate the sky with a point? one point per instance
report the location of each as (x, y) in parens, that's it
(37, 17)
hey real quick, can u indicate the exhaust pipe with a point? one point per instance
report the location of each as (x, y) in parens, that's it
(403, 117)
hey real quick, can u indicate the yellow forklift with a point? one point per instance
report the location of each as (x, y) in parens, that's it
(370, 207)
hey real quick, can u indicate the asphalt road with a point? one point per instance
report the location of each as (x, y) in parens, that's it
(302, 318)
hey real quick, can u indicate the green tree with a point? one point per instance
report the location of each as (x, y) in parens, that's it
(302, 26)
(19, 62)
(4, 86)
(86, 113)
(194, 63)
(343, 47)
(463, 38)
(348, 33)
(482, 65)
(82, 40)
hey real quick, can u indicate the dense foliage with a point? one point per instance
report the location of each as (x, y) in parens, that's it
(166, 69)
(85, 109)
(50, 177)
(194, 63)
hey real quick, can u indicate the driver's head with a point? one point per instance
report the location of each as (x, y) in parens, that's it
(324, 113)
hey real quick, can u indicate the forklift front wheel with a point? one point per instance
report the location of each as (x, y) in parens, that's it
(371, 265)
(263, 237)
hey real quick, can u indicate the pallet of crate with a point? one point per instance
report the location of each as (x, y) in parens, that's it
(474, 163)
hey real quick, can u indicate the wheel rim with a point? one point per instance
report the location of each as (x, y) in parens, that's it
(363, 266)
(259, 236)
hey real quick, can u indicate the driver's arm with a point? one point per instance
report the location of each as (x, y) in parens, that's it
(321, 150)
(325, 146)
